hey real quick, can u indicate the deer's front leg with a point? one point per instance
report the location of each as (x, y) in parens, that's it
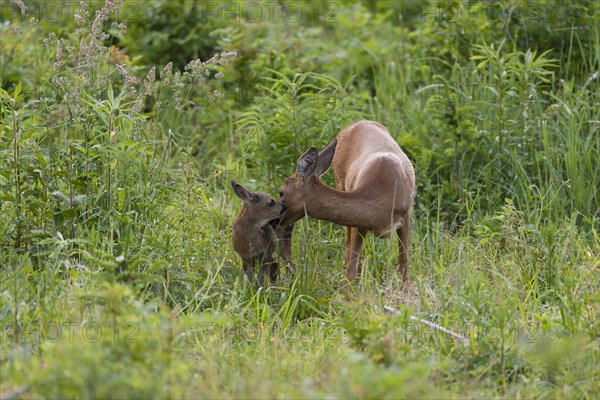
(248, 265)
(354, 258)
(284, 234)
(348, 246)
(263, 265)
(269, 266)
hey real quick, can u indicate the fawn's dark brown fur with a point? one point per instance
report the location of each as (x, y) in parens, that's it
(253, 236)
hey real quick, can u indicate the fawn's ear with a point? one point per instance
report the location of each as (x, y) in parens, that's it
(307, 163)
(242, 192)
(325, 157)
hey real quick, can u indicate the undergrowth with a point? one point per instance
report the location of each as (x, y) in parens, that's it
(117, 274)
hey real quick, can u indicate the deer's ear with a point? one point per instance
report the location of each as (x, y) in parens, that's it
(307, 163)
(242, 192)
(325, 157)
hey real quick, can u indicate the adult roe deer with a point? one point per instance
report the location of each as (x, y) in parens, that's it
(253, 237)
(375, 184)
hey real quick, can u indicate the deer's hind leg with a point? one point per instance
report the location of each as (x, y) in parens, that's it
(403, 241)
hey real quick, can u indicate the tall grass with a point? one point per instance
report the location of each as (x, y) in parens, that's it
(118, 280)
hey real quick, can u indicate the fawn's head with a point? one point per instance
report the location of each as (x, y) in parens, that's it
(261, 207)
(300, 186)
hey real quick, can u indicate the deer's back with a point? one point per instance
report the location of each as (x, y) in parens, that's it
(368, 159)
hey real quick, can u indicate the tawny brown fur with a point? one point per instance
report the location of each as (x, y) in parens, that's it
(375, 184)
(253, 237)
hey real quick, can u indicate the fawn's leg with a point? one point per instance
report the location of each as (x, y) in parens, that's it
(268, 267)
(284, 234)
(274, 269)
(269, 264)
(248, 264)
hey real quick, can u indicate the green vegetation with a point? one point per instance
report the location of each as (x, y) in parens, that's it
(123, 123)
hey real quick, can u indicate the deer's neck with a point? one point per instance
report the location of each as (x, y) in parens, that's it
(246, 221)
(344, 208)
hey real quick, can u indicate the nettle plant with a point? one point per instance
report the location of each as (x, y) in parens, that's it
(79, 154)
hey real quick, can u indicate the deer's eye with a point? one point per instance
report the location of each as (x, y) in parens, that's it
(280, 194)
(271, 203)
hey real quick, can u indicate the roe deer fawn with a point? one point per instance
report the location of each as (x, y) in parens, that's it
(375, 190)
(253, 237)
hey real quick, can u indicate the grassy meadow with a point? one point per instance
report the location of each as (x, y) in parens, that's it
(123, 123)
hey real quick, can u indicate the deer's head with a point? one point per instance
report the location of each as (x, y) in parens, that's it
(261, 207)
(299, 187)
